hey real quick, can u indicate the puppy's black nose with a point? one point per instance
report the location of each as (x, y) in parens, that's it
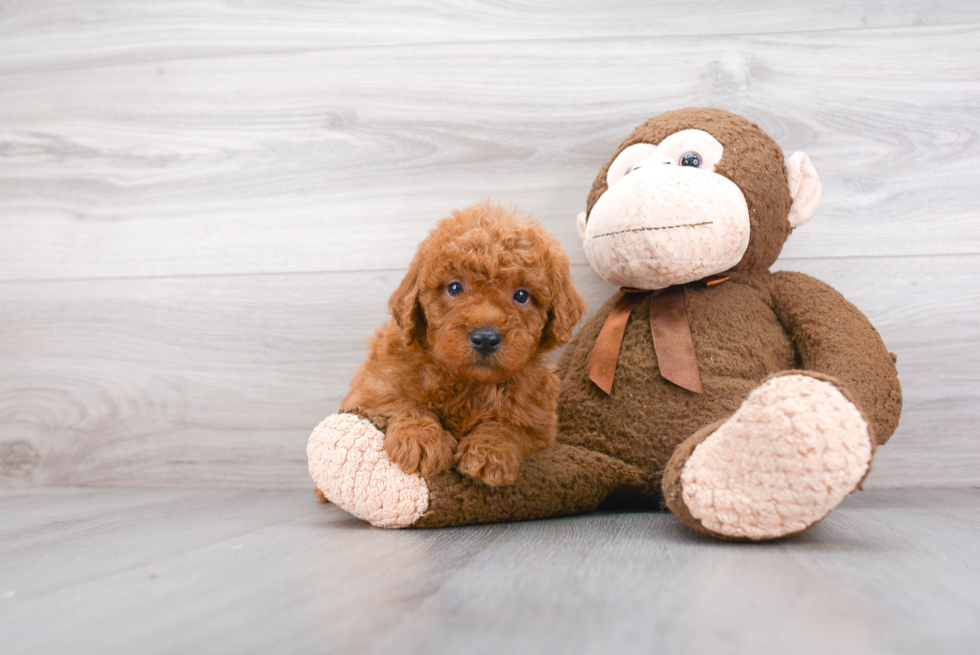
(485, 341)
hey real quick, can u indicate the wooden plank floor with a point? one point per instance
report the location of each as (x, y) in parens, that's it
(221, 571)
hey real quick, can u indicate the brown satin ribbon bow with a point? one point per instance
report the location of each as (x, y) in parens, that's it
(671, 337)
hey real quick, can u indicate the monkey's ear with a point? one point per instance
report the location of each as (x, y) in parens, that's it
(405, 307)
(804, 188)
(580, 221)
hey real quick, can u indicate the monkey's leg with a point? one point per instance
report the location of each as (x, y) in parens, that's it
(791, 453)
(554, 481)
(348, 463)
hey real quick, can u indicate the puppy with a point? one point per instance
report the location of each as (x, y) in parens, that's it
(461, 374)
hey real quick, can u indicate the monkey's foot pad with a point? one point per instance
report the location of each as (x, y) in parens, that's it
(791, 453)
(348, 463)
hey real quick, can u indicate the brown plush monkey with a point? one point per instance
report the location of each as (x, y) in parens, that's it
(750, 402)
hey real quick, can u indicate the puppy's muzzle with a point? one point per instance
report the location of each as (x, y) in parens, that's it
(485, 340)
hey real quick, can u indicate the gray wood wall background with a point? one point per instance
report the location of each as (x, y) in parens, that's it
(204, 205)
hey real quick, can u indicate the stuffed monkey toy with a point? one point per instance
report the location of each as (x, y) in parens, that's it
(750, 403)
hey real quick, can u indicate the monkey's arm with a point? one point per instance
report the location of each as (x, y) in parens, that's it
(833, 337)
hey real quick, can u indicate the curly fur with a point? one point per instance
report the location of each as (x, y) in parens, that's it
(446, 404)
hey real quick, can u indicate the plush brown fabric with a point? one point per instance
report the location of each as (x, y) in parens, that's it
(756, 325)
(555, 481)
(834, 337)
(739, 342)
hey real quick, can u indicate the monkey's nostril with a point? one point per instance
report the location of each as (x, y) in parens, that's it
(485, 341)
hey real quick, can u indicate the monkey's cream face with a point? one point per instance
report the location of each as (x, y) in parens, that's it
(666, 217)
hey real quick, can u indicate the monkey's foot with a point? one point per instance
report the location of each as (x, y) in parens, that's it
(349, 466)
(791, 453)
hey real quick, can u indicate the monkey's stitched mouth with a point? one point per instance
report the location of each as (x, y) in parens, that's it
(647, 229)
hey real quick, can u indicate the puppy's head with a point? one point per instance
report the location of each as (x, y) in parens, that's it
(486, 292)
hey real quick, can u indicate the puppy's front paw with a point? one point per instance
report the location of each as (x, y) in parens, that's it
(419, 446)
(488, 460)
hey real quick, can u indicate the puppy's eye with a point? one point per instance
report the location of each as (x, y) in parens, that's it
(691, 159)
(454, 288)
(522, 296)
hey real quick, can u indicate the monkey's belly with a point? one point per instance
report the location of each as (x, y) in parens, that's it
(739, 343)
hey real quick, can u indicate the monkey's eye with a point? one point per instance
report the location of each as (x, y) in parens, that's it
(691, 159)
(454, 288)
(522, 296)
(631, 169)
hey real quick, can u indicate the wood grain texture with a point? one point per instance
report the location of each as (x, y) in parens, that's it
(256, 163)
(218, 381)
(49, 34)
(181, 571)
(204, 205)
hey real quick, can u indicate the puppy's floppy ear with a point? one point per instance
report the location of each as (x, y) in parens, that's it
(567, 306)
(405, 307)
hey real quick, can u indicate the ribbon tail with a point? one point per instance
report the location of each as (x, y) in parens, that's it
(605, 353)
(672, 340)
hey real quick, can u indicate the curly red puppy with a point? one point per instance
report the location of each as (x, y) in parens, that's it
(461, 373)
